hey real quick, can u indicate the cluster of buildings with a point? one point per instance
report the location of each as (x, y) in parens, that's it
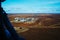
(27, 20)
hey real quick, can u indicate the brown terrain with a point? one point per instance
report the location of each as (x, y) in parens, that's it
(44, 20)
(47, 27)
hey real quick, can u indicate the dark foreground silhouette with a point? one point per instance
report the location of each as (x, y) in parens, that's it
(7, 32)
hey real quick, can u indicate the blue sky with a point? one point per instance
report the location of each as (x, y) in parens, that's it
(31, 6)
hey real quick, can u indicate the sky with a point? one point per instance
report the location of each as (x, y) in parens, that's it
(31, 6)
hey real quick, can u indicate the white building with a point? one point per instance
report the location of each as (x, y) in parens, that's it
(17, 19)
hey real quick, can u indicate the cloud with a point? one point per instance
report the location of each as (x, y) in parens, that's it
(34, 10)
(31, 6)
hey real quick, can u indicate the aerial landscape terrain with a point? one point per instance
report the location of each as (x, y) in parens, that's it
(36, 26)
(32, 19)
(40, 20)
